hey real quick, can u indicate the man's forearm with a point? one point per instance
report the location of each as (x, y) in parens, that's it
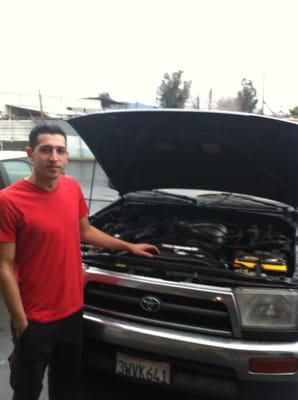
(11, 295)
(101, 239)
(91, 235)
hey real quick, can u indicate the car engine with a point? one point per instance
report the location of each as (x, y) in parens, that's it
(193, 240)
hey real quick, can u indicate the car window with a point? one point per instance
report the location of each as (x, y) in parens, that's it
(16, 169)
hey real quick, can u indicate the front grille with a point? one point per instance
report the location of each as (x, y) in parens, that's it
(192, 314)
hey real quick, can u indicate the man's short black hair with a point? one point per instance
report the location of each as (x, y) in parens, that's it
(45, 127)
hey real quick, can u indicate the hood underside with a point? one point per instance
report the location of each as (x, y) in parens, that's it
(240, 153)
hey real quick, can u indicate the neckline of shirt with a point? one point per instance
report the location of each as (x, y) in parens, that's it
(40, 189)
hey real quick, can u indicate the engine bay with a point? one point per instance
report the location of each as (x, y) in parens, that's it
(242, 242)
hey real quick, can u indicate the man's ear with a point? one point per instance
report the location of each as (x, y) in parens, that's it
(29, 152)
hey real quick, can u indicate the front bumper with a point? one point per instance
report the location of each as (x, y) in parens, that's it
(223, 363)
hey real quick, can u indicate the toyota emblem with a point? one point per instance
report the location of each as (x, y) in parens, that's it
(150, 304)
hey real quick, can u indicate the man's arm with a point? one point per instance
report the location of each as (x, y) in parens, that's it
(91, 235)
(10, 289)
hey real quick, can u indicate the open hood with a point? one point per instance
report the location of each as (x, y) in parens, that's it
(240, 153)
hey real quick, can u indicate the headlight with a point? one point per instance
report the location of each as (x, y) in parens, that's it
(267, 309)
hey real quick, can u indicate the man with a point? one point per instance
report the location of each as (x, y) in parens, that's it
(43, 218)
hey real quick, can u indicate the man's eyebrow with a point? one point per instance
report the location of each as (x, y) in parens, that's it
(53, 147)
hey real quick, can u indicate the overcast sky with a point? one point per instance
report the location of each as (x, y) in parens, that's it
(83, 48)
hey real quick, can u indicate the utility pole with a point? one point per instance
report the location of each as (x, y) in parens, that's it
(210, 100)
(40, 105)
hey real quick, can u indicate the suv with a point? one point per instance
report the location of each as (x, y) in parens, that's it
(216, 313)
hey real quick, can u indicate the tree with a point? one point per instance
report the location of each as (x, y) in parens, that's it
(105, 99)
(173, 93)
(294, 111)
(247, 97)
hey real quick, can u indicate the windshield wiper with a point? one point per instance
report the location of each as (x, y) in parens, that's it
(172, 196)
(229, 196)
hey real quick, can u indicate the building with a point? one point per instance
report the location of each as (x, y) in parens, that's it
(32, 106)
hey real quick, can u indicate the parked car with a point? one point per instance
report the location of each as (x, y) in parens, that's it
(13, 166)
(216, 313)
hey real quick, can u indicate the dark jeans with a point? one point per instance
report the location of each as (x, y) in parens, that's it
(56, 345)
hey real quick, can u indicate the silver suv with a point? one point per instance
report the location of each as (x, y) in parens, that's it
(216, 313)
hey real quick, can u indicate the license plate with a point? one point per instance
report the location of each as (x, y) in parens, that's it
(143, 369)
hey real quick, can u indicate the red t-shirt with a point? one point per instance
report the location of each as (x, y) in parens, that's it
(45, 228)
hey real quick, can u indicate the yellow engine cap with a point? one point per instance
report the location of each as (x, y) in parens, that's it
(274, 267)
(246, 261)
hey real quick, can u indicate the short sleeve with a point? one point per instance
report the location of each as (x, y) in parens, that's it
(83, 208)
(8, 224)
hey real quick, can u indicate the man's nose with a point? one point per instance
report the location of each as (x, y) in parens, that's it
(54, 155)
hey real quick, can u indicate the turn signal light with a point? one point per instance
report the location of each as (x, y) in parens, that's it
(273, 365)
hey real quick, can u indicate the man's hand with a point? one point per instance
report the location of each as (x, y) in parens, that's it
(143, 250)
(20, 327)
(10, 288)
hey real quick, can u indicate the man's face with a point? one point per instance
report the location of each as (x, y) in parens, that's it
(49, 157)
